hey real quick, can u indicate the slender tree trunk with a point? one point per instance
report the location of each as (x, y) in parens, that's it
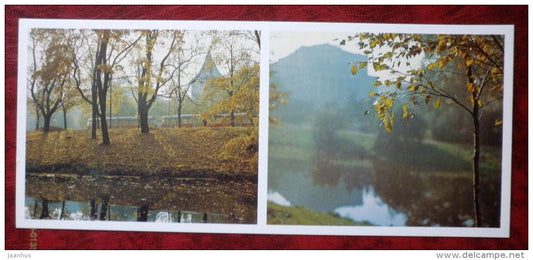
(105, 131)
(64, 117)
(180, 106)
(103, 122)
(94, 105)
(232, 118)
(62, 214)
(475, 170)
(37, 117)
(478, 221)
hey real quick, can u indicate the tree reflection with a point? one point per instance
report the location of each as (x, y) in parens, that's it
(114, 197)
(44, 212)
(333, 154)
(432, 199)
(432, 187)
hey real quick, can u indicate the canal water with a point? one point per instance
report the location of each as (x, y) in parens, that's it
(133, 198)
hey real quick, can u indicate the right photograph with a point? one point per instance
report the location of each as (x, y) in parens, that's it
(385, 129)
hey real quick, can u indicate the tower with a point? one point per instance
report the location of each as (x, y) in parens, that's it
(208, 71)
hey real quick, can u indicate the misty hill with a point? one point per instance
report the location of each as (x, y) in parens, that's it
(317, 77)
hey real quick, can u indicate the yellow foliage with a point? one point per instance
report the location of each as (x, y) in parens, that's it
(479, 57)
(432, 66)
(437, 103)
(354, 70)
(470, 88)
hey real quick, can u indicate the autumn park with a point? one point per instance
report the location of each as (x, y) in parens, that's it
(371, 129)
(142, 125)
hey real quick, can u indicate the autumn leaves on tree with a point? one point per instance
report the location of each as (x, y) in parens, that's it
(80, 67)
(477, 60)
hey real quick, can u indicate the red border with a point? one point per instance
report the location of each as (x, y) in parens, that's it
(60, 239)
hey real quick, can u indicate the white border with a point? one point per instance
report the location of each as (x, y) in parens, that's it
(261, 227)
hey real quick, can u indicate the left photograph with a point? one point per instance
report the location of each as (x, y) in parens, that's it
(142, 125)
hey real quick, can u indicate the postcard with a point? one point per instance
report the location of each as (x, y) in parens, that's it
(265, 127)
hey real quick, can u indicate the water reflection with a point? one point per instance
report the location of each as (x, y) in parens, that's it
(128, 198)
(373, 210)
(84, 211)
(277, 198)
(431, 198)
(299, 188)
(385, 193)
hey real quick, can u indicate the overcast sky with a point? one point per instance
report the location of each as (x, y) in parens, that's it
(283, 44)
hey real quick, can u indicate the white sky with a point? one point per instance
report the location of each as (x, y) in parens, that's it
(283, 44)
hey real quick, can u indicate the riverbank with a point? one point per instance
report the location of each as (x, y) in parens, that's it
(282, 215)
(169, 152)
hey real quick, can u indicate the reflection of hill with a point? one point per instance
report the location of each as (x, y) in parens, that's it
(318, 76)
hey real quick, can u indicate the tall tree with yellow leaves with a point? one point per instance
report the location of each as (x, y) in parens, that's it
(478, 59)
(237, 91)
(154, 74)
(50, 80)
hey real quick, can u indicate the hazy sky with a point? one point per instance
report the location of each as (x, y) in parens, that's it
(283, 44)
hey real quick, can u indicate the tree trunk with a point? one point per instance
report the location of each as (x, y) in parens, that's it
(232, 119)
(46, 126)
(37, 117)
(475, 169)
(105, 131)
(143, 118)
(179, 113)
(94, 114)
(478, 222)
(103, 121)
(64, 117)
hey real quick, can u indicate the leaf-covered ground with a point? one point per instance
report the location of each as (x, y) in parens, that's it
(191, 152)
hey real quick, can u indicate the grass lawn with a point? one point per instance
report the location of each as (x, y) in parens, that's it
(280, 215)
